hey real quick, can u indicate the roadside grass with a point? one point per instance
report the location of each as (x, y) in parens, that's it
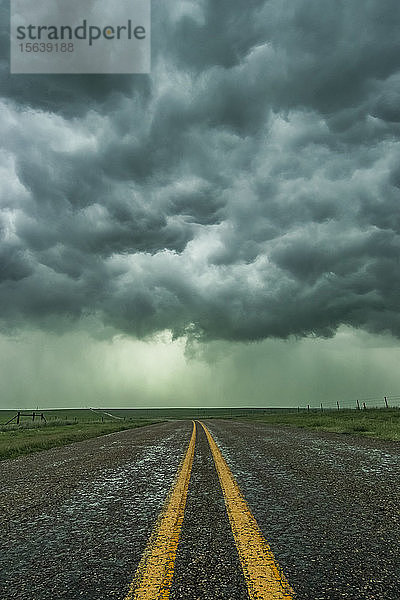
(375, 423)
(21, 440)
(77, 425)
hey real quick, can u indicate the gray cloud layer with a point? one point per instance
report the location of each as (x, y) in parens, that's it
(248, 188)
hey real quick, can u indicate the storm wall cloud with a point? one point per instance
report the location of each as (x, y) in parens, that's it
(248, 188)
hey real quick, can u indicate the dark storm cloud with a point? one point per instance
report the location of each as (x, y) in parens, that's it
(248, 188)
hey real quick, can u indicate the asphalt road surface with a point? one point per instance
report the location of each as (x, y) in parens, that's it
(76, 521)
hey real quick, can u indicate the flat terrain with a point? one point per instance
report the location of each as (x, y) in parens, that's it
(19, 440)
(377, 423)
(69, 425)
(76, 519)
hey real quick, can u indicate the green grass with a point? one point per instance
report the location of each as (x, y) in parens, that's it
(17, 441)
(380, 423)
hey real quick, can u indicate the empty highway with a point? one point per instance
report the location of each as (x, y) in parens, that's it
(203, 510)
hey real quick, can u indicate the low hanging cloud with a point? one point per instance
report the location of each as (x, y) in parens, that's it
(248, 188)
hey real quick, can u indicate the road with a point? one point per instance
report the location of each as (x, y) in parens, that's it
(290, 514)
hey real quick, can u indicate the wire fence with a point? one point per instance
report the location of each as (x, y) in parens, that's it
(372, 402)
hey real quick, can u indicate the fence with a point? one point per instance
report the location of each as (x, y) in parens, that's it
(354, 404)
(17, 417)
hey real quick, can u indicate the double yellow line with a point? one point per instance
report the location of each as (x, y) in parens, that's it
(155, 571)
(153, 579)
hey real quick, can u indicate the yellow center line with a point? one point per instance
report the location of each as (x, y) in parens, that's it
(154, 574)
(264, 578)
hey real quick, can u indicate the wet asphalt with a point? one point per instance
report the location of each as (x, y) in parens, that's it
(328, 505)
(207, 564)
(75, 520)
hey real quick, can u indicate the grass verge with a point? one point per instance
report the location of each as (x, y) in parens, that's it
(381, 423)
(16, 442)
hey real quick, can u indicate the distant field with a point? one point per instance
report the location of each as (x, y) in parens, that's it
(17, 441)
(71, 425)
(381, 423)
(278, 415)
(84, 415)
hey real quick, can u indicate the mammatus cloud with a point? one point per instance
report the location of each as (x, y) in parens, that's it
(248, 188)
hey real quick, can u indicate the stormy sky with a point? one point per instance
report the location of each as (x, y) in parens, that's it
(225, 230)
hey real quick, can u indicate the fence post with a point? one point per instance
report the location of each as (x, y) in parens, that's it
(358, 405)
(386, 403)
(33, 415)
(308, 408)
(337, 402)
(364, 406)
(322, 408)
(18, 417)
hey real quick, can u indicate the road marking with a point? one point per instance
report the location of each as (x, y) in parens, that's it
(154, 574)
(264, 578)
